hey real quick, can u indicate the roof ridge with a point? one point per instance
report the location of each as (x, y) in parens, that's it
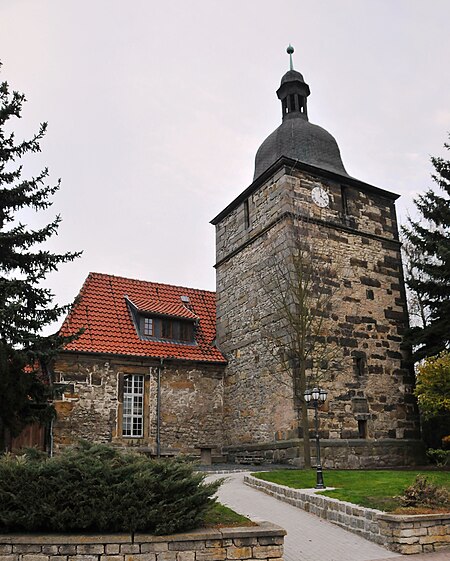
(108, 275)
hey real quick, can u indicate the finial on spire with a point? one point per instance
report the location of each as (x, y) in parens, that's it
(289, 51)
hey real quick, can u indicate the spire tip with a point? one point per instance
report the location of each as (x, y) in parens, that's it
(289, 51)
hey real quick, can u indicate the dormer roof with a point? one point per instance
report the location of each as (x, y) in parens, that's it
(152, 306)
(102, 309)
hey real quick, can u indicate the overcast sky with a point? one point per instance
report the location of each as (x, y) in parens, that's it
(156, 110)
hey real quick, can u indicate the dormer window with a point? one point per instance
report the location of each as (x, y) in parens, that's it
(166, 329)
(164, 321)
(148, 327)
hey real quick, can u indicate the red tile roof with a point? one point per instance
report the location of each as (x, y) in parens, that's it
(102, 309)
(154, 306)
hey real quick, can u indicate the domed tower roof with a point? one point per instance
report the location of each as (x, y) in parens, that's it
(296, 137)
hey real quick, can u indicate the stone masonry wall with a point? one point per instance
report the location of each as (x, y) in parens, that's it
(91, 404)
(406, 534)
(263, 542)
(369, 380)
(335, 454)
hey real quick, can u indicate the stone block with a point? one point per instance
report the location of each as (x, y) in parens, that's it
(185, 555)
(212, 554)
(436, 530)
(271, 540)
(112, 548)
(435, 539)
(5, 548)
(90, 549)
(268, 551)
(68, 549)
(238, 552)
(438, 546)
(10, 557)
(154, 547)
(409, 532)
(167, 556)
(34, 557)
(111, 558)
(186, 545)
(242, 542)
(409, 541)
(26, 548)
(410, 549)
(130, 548)
(50, 550)
(213, 543)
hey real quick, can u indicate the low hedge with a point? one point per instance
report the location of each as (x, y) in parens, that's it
(96, 488)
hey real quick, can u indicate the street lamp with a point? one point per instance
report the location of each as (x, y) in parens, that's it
(317, 396)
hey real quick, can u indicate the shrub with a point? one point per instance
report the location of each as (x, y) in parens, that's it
(97, 489)
(438, 456)
(422, 493)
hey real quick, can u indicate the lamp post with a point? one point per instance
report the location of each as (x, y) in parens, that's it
(317, 396)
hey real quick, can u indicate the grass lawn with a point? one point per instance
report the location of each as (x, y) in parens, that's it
(221, 516)
(369, 488)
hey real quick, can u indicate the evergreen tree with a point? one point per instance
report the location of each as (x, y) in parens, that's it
(433, 394)
(430, 263)
(25, 306)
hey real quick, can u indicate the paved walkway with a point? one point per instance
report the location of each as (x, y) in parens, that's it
(309, 538)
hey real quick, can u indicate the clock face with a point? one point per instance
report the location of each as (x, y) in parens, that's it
(320, 196)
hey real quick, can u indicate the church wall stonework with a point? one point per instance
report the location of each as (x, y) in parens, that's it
(370, 382)
(90, 407)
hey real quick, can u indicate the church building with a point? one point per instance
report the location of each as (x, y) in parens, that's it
(169, 370)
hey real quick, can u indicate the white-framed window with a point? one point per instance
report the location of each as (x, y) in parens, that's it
(148, 327)
(133, 406)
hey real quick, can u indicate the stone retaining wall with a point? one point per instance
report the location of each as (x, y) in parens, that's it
(263, 542)
(405, 534)
(416, 534)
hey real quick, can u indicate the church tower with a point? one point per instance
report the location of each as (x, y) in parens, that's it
(302, 194)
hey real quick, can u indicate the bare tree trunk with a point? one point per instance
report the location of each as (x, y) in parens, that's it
(299, 371)
(306, 443)
(2, 437)
(305, 424)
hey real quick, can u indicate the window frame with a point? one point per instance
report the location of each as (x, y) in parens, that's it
(176, 330)
(133, 417)
(148, 321)
(167, 323)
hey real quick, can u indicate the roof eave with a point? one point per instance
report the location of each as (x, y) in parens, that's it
(142, 357)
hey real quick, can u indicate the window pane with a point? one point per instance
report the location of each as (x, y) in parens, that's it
(133, 406)
(186, 331)
(166, 329)
(148, 326)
